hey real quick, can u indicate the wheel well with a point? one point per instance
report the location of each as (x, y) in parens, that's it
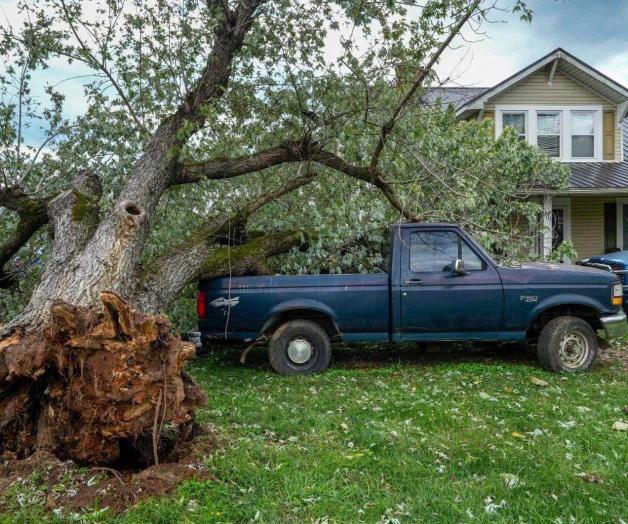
(573, 310)
(322, 319)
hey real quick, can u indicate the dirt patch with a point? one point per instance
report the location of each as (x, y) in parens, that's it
(615, 354)
(42, 480)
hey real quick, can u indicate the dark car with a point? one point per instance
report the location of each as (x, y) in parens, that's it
(615, 262)
(440, 286)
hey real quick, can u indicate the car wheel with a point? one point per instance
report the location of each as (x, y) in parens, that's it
(567, 344)
(299, 347)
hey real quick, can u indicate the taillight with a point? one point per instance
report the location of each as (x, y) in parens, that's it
(200, 304)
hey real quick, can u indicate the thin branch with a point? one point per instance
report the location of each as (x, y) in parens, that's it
(423, 72)
(101, 65)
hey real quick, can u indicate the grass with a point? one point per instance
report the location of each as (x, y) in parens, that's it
(423, 439)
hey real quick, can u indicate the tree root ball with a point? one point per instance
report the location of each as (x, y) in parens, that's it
(96, 385)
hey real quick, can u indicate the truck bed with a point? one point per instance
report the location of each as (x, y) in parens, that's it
(239, 308)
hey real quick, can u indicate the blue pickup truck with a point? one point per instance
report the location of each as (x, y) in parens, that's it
(440, 286)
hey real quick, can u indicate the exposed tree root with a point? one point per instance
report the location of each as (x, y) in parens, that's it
(96, 386)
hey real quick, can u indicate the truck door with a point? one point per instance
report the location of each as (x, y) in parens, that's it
(434, 300)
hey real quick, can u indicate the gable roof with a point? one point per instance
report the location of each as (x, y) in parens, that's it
(565, 62)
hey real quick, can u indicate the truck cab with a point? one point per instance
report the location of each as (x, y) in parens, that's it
(440, 286)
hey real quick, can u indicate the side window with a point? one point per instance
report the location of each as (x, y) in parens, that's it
(434, 251)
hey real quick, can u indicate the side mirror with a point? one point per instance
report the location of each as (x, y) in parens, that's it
(458, 267)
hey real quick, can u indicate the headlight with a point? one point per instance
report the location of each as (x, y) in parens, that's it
(617, 294)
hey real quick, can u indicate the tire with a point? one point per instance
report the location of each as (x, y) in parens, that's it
(567, 345)
(299, 347)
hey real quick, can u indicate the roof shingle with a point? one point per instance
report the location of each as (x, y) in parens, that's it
(456, 96)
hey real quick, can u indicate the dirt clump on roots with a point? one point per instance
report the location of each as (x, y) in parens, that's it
(45, 482)
(99, 386)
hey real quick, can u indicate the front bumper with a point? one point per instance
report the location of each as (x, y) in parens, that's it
(615, 325)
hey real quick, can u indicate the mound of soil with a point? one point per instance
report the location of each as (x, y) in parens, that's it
(65, 488)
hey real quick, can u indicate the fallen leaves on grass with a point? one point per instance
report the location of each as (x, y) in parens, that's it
(539, 382)
(492, 507)
(593, 478)
(620, 426)
(510, 480)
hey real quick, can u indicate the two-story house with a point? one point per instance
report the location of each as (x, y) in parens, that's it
(577, 115)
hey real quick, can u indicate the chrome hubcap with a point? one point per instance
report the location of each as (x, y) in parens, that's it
(574, 350)
(299, 350)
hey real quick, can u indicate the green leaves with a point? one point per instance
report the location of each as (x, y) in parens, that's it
(331, 70)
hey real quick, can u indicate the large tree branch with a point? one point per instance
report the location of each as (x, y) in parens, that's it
(32, 216)
(165, 276)
(289, 151)
(416, 84)
(250, 257)
(155, 170)
(231, 30)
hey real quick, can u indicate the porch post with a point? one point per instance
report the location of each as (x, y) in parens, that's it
(547, 226)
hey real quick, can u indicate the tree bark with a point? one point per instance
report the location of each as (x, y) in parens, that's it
(32, 216)
(161, 285)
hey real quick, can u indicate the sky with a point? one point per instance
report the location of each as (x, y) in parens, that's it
(596, 31)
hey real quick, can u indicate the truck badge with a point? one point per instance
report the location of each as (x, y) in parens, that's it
(529, 298)
(225, 302)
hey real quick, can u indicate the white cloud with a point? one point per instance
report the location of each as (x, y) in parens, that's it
(616, 67)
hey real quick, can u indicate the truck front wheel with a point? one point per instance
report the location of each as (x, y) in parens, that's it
(567, 344)
(299, 347)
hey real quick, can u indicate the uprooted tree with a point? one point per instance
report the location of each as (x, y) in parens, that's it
(202, 124)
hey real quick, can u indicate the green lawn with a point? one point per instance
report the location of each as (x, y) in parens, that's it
(421, 440)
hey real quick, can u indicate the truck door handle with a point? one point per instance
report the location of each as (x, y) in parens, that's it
(413, 281)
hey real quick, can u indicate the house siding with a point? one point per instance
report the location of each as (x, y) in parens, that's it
(587, 225)
(535, 90)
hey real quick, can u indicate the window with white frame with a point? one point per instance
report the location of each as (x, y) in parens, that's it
(566, 133)
(582, 134)
(516, 120)
(548, 132)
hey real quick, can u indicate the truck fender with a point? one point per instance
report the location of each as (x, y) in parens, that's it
(299, 304)
(565, 299)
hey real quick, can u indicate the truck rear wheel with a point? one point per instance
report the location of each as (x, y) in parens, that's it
(567, 344)
(299, 347)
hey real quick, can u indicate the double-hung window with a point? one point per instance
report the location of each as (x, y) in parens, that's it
(582, 134)
(516, 120)
(548, 132)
